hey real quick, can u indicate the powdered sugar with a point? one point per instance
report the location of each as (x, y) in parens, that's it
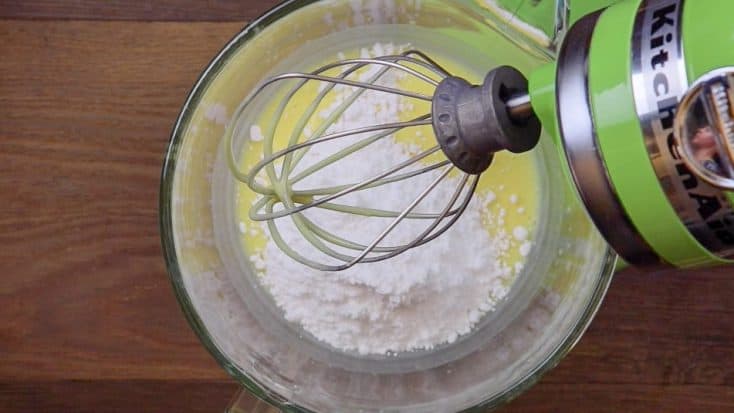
(520, 233)
(425, 297)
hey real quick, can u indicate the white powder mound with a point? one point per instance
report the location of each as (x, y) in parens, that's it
(425, 297)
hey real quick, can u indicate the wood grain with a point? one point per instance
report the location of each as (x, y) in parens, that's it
(116, 396)
(668, 329)
(90, 323)
(87, 108)
(138, 10)
(616, 398)
(192, 396)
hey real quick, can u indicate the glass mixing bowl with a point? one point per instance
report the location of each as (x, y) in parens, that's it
(543, 316)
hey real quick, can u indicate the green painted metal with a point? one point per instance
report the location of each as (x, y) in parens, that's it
(622, 145)
(708, 38)
(542, 87)
(580, 8)
(619, 134)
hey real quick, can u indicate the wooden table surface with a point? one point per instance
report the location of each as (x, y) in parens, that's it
(89, 90)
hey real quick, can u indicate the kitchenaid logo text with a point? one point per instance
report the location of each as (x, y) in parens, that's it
(663, 79)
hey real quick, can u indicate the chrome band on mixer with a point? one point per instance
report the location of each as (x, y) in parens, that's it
(580, 144)
(659, 81)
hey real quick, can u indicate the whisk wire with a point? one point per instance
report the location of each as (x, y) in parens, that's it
(233, 127)
(427, 235)
(310, 229)
(343, 106)
(395, 250)
(390, 129)
(297, 130)
(395, 178)
(434, 66)
(291, 208)
(294, 203)
(356, 64)
(398, 219)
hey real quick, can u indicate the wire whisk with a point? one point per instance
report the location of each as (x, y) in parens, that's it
(454, 153)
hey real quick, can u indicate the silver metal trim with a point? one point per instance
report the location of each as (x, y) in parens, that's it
(581, 147)
(659, 81)
(519, 107)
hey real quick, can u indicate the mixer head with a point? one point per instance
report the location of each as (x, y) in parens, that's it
(470, 124)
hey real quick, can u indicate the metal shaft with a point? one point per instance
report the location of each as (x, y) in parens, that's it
(519, 107)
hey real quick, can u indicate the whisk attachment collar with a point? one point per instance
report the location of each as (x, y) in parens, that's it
(473, 122)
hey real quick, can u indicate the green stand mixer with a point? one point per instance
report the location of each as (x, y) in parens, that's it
(641, 103)
(637, 111)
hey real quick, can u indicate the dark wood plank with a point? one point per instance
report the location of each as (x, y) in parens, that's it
(671, 328)
(111, 396)
(86, 109)
(139, 10)
(615, 398)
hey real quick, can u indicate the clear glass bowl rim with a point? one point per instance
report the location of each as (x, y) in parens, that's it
(169, 248)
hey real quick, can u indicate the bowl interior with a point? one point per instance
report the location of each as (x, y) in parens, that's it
(542, 317)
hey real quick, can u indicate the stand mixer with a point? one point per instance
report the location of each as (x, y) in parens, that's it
(618, 97)
(616, 176)
(631, 87)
